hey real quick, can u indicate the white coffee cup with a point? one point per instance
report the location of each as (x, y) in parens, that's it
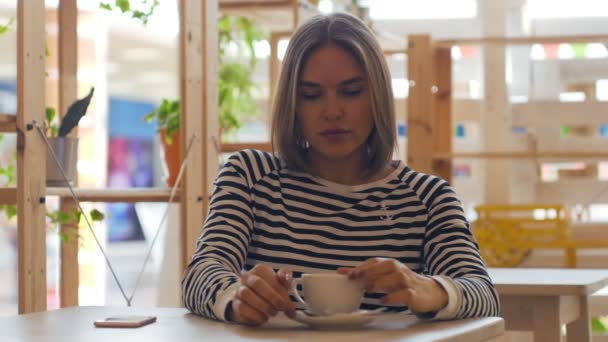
(329, 293)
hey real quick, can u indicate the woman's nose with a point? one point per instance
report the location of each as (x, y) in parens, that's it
(332, 110)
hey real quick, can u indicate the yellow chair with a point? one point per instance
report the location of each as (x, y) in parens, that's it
(507, 233)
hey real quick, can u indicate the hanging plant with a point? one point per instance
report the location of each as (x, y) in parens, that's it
(142, 11)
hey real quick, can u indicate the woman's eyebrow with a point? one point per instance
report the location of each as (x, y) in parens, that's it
(347, 82)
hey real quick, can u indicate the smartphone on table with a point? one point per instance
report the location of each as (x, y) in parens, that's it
(125, 321)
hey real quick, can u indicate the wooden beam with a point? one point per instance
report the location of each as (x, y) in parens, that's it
(255, 5)
(274, 63)
(131, 195)
(198, 76)
(8, 196)
(572, 192)
(8, 123)
(555, 155)
(442, 111)
(388, 52)
(419, 104)
(69, 270)
(68, 93)
(235, 147)
(523, 40)
(31, 152)
(559, 113)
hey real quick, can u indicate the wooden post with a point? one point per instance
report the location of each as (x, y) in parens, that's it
(274, 61)
(198, 68)
(31, 152)
(442, 111)
(419, 104)
(496, 118)
(68, 93)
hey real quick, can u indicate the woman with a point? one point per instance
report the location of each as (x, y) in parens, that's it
(331, 199)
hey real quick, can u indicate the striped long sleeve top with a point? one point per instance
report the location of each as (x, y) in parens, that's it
(262, 212)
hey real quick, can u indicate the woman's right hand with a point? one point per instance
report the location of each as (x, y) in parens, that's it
(262, 294)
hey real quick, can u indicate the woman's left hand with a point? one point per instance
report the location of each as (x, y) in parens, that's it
(402, 286)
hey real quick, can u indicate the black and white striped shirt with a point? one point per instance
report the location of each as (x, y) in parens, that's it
(262, 212)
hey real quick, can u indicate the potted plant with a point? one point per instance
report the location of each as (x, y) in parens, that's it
(166, 115)
(65, 148)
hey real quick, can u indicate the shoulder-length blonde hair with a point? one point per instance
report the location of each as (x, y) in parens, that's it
(350, 33)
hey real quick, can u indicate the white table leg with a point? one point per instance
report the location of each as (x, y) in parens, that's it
(546, 317)
(579, 330)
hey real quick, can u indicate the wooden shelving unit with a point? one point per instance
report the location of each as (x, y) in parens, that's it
(198, 74)
(429, 113)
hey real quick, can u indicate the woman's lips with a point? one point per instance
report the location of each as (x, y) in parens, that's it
(335, 134)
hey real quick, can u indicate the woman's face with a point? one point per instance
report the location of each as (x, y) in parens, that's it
(333, 105)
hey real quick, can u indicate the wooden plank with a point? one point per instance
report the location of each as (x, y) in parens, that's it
(574, 155)
(442, 111)
(69, 270)
(198, 74)
(274, 63)
(8, 196)
(572, 191)
(254, 4)
(522, 40)
(419, 104)
(8, 123)
(131, 195)
(559, 113)
(30, 146)
(235, 147)
(68, 93)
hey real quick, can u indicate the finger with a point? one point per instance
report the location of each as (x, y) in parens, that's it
(264, 290)
(377, 270)
(248, 296)
(389, 283)
(345, 270)
(401, 297)
(367, 263)
(248, 314)
(284, 277)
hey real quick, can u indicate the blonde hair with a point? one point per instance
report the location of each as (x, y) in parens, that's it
(351, 34)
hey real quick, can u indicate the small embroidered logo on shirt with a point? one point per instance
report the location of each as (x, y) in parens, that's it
(386, 216)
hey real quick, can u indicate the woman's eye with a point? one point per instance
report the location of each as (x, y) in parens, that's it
(351, 92)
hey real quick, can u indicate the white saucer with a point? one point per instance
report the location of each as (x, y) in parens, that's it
(337, 321)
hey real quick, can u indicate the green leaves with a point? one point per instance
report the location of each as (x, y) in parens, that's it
(74, 217)
(141, 9)
(167, 117)
(50, 125)
(598, 326)
(7, 27)
(235, 82)
(9, 210)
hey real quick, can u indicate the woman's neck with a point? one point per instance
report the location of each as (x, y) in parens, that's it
(347, 171)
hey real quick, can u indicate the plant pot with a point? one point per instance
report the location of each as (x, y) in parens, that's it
(172, 156)
(66, 150)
